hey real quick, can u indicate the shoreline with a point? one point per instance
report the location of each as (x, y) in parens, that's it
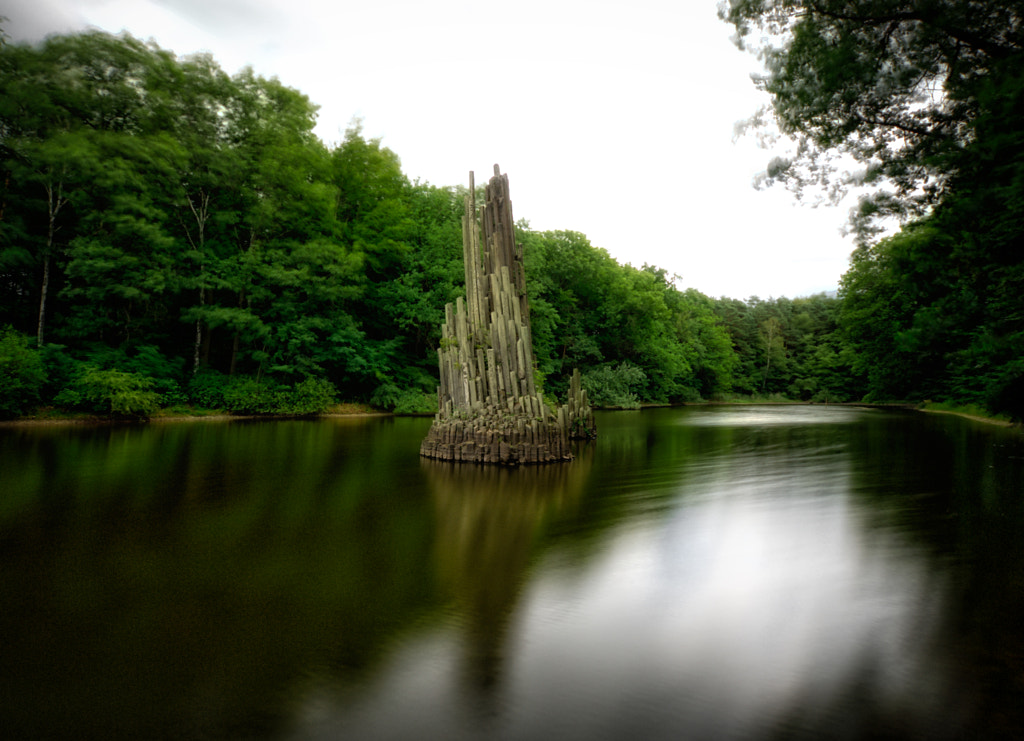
(70, 421)
(227, 417)
(972, 417)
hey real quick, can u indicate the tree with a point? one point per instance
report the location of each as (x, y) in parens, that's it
(703, 336)
(774, 347)
(188, 100)
(894, 84)
(22, 373)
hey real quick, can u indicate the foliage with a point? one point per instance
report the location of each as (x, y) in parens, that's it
(609, 386)
(171, 233)
(792, 348)
(590, 312)
(935, 311)
(926, 98)
(248, 395)
(22, 373)
(188, 220)
(206, 389)
(110, 391)
(411, 401)
(894, 85)
(310, 396)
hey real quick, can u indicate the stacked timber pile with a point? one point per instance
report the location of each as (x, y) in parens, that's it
(489, 407)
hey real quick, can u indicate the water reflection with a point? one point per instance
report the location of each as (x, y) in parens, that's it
(783, 414)
(448, 680)
(731, 584)
(190, 581)
(489, 522)
(761, 606)
(700, 573)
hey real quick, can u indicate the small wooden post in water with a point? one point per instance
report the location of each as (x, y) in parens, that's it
(489, 407)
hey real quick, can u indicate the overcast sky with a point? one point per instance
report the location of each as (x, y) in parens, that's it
(614, 119)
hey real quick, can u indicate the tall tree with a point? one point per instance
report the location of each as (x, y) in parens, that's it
(895, 84)
(56, 99)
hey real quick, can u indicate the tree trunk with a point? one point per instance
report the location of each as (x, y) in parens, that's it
(199, 334)
(201, 214)
(42, 300)
(55, 200)
(234, 355)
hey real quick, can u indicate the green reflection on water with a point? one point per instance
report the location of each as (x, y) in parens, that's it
(205, 580)
(182, 580)
(489, 522)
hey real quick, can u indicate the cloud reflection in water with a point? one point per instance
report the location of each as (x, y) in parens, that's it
(764, 604)
(726, 583)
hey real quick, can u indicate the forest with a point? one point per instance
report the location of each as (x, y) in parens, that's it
(174, 238)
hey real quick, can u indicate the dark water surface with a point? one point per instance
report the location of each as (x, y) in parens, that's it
(698, 573)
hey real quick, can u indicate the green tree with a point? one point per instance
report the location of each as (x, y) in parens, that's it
(111, 391)
(22, 373)
(590, 312)
(895, 85)
(704, 337)
(774, 347)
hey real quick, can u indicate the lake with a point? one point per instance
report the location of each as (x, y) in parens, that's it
(733, 572)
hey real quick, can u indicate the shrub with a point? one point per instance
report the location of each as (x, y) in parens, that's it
(246, 395)
(1005, 393)
(22, 373)
(386, 396)
(206, 389)
(312, 396)
(111, 392)
(614, 387)
(413, 401)
(166, 373)
(61, 369)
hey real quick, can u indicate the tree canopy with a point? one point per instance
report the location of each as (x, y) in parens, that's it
(171, 234)
(927, 96)
(898, 85)
(163, 219)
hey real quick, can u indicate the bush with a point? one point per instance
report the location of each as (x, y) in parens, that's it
(1005, 394)
(312, 396)
(22, 373)
(246, 395)
(147, 362)
(688, 395)
(614, 387)
(206, 389)
(166, 373)
(111, 392)
(412, 401)
(61, 369)
(386, 396)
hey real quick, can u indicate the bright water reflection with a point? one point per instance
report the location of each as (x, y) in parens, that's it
(757, 602)
(754, 573)
(762, 603)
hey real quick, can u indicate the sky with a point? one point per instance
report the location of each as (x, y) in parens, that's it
(614, 119)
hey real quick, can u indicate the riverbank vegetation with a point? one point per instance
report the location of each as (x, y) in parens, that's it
(173, 237)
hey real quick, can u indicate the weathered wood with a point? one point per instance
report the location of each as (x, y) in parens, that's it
(490, 408)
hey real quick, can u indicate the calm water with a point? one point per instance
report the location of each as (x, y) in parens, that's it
(699, 573)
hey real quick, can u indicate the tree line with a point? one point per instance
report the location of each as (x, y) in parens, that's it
(171, 235)
(926, 98)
